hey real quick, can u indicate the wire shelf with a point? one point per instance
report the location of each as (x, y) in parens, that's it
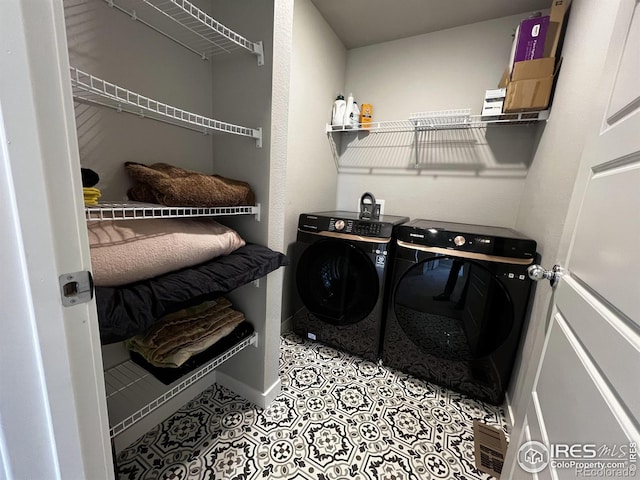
(133, 393)
(138, 210)
(450, 118)
(91, 89)
(187, 25)
(445, 122)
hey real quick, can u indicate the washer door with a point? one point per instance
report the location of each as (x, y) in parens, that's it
(337, 282)
(453, 308)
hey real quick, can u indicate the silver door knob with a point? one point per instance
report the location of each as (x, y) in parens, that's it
(537, 273)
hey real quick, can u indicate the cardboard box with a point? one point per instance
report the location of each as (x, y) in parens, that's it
(559, 10)
(557, 17)
(530, 38)
(528, 95)
(530, 85)
(541, 67)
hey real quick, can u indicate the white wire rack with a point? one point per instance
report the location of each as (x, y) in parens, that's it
(91, 89)
(388, 126)
(450, 118)
(187, 25)
(445, 122)
(133, 393)
(138, 210)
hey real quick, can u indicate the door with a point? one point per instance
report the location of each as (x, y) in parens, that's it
(584, 414)
(52, 401)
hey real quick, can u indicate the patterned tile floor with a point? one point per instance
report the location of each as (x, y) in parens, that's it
(338, 417)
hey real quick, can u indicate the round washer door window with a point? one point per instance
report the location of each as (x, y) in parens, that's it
(337, 282)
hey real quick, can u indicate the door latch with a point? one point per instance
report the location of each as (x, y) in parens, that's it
(76, 288)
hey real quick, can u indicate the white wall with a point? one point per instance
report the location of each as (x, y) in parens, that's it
(317, 76)
(549, 185)
(110, 45)
(442, 70)
(472, 176)
(256, 96)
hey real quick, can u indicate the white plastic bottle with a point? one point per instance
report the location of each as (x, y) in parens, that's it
(338, 113)
(354, 116)
(347, 112)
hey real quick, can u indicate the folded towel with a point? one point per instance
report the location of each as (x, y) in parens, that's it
(91, 195)
(171, 375)
(173, 186)
(181, 335)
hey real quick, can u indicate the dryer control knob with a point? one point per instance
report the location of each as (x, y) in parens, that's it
(459, 240)
(339, 224)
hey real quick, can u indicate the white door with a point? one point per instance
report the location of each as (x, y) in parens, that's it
(53, 417)
(585, 405)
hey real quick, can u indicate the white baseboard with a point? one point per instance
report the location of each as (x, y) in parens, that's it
(509, 409)
(260, 399)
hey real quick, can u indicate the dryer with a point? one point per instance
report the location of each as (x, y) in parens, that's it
(457, 304)
(341, 263)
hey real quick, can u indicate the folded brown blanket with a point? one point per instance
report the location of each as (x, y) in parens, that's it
(180, 335)
(173, 186)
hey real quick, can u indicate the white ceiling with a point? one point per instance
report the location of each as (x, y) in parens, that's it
(366, 22)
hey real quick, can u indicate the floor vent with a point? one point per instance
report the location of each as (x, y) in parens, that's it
(490, 445)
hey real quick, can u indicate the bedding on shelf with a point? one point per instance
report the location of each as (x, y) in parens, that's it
(178, 187)
(170, 375)
(132, 309)
(127, 251)
(180, 335)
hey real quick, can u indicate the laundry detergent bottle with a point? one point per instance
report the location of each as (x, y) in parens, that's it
(348, 111)
(339, 110)
(354, 115)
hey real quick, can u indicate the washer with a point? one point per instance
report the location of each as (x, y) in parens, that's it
(457, 304)
(341, 265)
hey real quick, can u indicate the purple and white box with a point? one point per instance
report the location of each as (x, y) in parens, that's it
(529, 43)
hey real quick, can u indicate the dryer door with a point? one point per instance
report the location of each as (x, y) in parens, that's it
(454, 308)
(337, 282)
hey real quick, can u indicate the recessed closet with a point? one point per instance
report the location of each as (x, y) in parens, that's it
(189, 85)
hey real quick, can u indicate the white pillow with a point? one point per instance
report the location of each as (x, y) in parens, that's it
(127, 251)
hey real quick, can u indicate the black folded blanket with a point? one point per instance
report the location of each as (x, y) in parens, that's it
(131, 309)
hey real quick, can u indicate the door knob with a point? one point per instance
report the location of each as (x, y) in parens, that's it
(537, 273)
